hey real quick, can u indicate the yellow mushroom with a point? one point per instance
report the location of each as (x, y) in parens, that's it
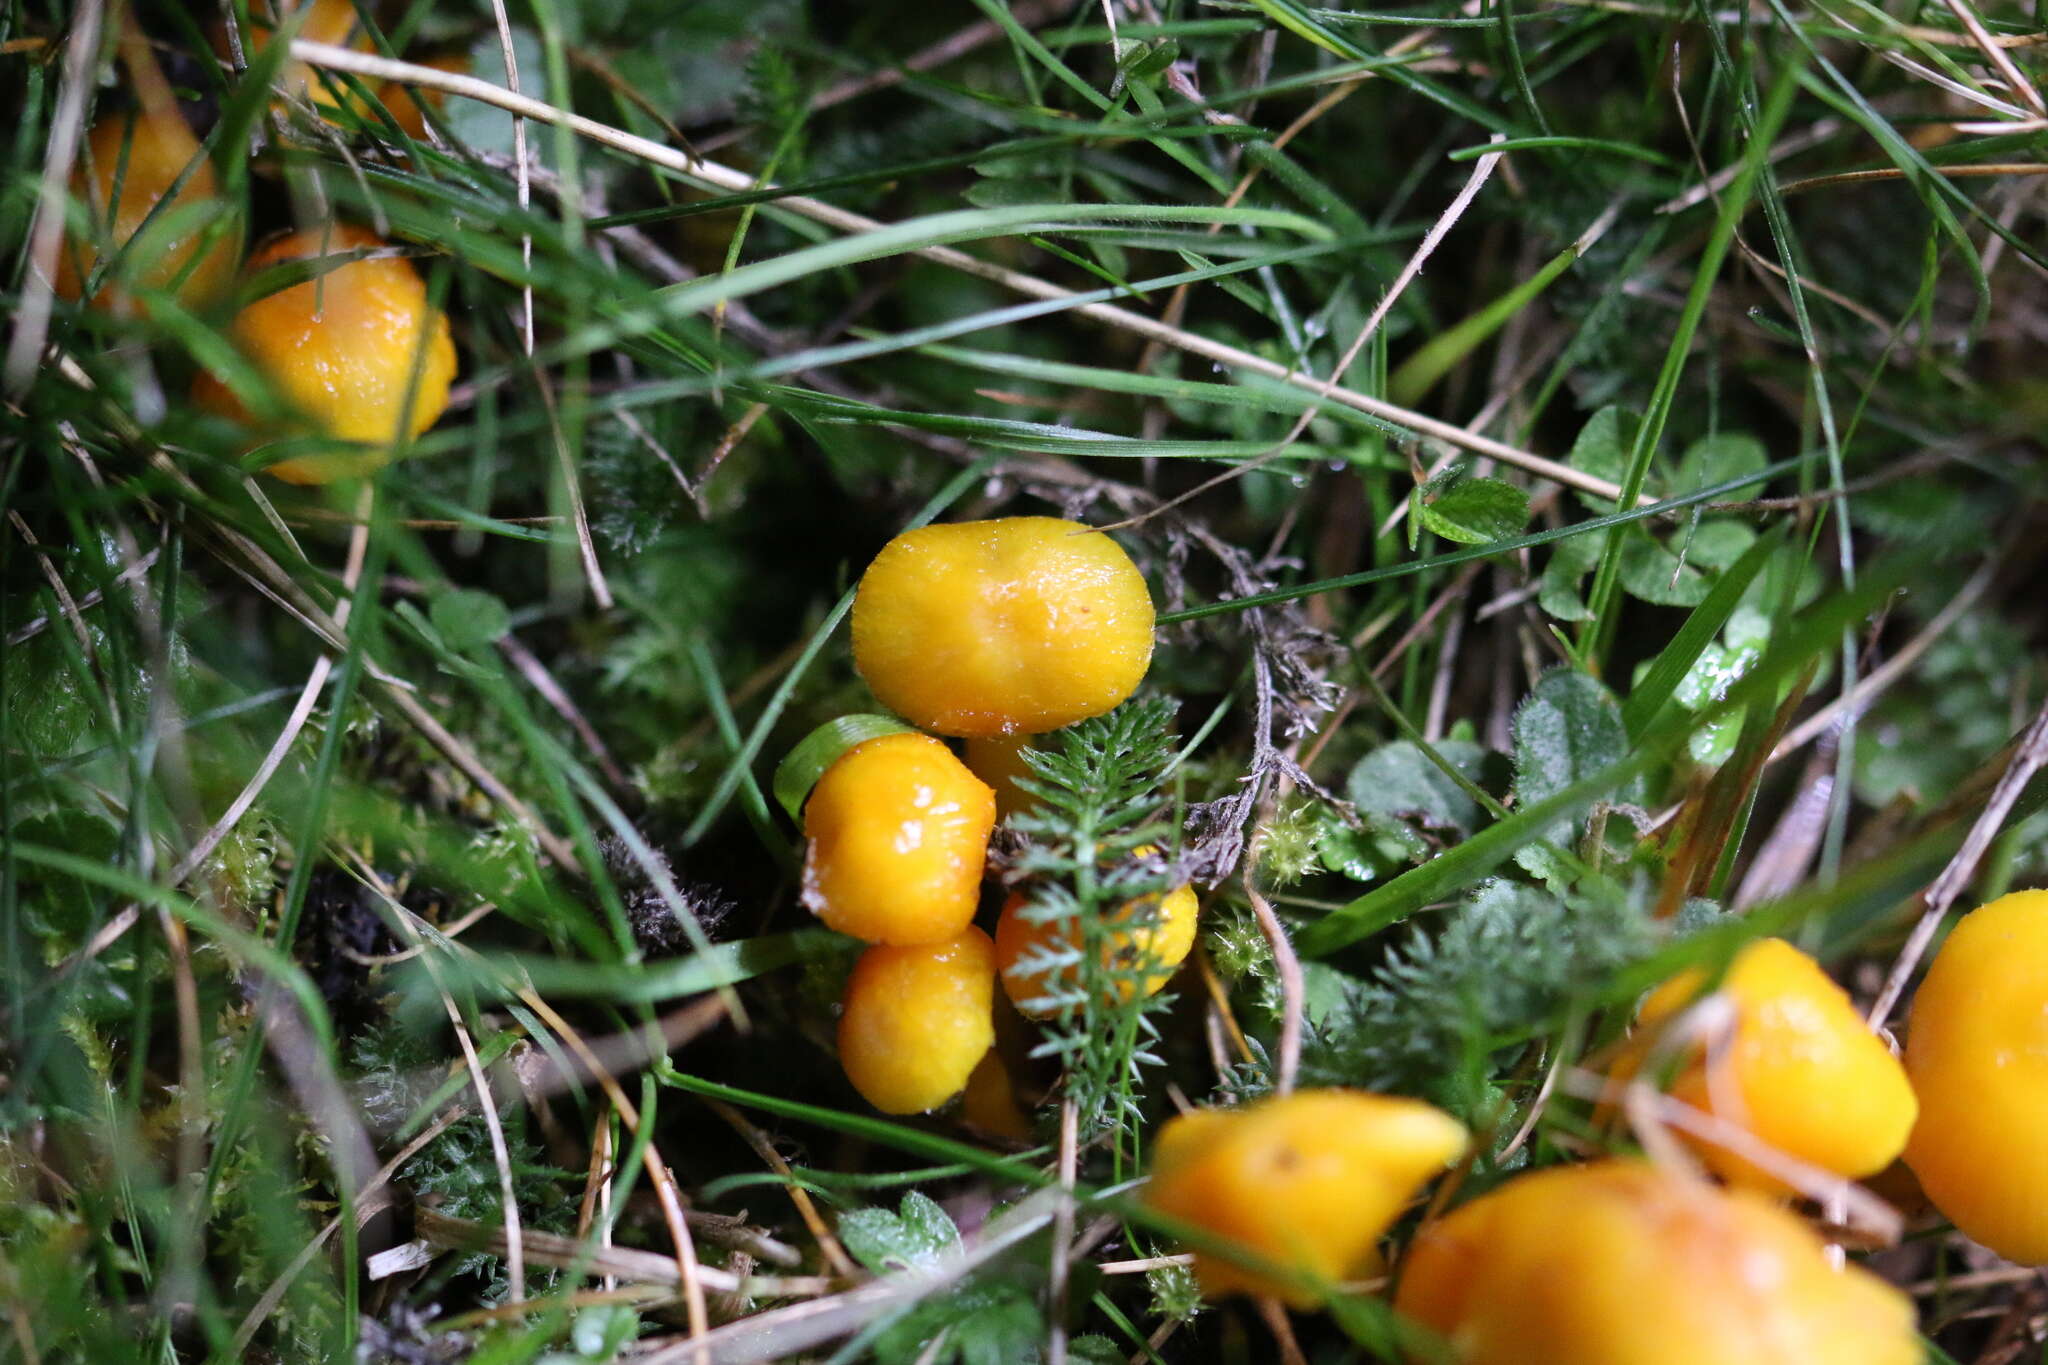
(1307, 1183)
(897, 834)
(128, 167)
(1146, 939)
(1620, 1263)
(1018, 625)
(915, 1021)
(356, 352)
(1977, 1050)
(1798, 1070)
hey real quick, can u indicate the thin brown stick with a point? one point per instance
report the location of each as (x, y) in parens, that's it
(624, 1263)
(1029, 14)
(786, 1333)
(688, 1271)
(25, 633)
(1874, 684)
(1652, 1111)
(487, 1105)
(806, 1208)
(727, 443)
(302, 710)
(540, 680)
(524, 172)
(1057, 1277)
(66, 604)
(1481, 173)
(597, 1189)
(1274, 1314)
(572, 488)
(1988, 168)
(1293, 990)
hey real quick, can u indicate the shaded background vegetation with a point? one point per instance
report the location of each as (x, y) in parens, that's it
(1777, 270)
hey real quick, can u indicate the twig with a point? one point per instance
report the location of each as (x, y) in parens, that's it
(572, 487)
(688, 1272)
(1651, 1110)
(25, 633)
(1148, 1263)
(543, 682)
(270, 579)
(806, 1208)
(788, 1332)
(597, 1189)
(976, 35)
(625, 1263)
(65, 602)
(1986, 168)
(2028, 759)
(524, 171)
(1274, 1314)
(302, 710)
(1287, 966)
(1858, 700)
(725, 178)
(734, 434)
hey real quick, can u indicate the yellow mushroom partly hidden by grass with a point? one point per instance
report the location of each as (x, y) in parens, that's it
(1306, 1183)
(355, 353)
(333, 22)
(897, 834)
(1798, 1069)
(915, 1021)
(1620, 1263)
(137, 163)
(1018, 625)
(1977, 1050)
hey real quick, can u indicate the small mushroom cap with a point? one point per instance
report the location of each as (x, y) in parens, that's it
(1977, 1050)
(916, 1021)
(1155, 946)
(897, 833)
(341, 350)
(1308, 1182)
(142, 159)
(1620, 1263)
(985, 628)
(1802, 1072)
